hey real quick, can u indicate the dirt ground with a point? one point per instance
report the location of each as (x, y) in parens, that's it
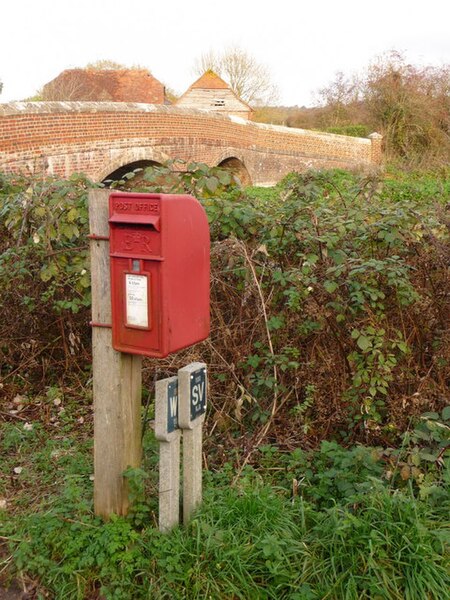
(13, 593)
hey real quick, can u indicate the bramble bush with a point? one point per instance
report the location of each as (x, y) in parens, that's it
(44, 279)
(330, 298)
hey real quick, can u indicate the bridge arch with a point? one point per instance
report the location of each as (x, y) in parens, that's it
(119, 173)
(237, 167)
(126, 159)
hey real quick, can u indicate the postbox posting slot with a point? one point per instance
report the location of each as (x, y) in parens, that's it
(151, 221)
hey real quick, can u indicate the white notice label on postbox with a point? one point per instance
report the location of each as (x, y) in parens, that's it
(136, 290)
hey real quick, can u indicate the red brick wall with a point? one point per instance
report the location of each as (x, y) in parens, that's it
(97, 138)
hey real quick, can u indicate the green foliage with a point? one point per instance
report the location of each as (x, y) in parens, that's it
(333, 259)
(333, 474)
(178, 177)
(355, 550)
(140, 509)
(329, 304)
(44, 272)
(44, 222)
(342, 533)
(320, 287)
(423, 459)
(351, 130)
(301, 524)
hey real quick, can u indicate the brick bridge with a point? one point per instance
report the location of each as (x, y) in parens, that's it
(105, 140)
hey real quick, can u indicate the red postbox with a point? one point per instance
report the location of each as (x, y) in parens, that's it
(159, 248)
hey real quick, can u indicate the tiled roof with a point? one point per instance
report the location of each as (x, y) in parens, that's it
(113, 85)
(210, 81)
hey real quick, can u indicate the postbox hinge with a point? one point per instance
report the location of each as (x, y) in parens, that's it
(94, 324)
(94, 236)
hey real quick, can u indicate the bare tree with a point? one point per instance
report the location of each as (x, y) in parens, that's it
(68, 86)
(339, 100)
(411, 104)
(103, 64)
(249, 79)
(408, 104)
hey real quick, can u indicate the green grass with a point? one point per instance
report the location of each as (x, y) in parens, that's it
(347, 533)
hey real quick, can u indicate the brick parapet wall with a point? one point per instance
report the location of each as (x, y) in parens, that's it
(89, 136)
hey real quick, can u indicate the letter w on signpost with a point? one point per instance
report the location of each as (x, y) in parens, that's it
(168, 434)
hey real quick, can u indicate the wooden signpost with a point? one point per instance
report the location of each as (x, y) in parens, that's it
(116, 380)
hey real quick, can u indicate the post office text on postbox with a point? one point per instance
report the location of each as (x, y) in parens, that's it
(159, 251)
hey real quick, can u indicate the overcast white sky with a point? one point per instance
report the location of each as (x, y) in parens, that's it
(303, 43)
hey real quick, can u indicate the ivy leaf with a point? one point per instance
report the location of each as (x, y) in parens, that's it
(312, 258)
(72, 215)
(428, 456)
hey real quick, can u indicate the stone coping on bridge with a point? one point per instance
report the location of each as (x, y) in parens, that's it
(18, 108)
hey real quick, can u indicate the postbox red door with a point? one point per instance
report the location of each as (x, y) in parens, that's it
(159, 248)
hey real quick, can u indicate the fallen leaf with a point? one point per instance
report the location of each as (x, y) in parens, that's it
(405, 472)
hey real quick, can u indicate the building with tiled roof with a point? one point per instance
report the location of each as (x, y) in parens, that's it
(211, 92)
(106, 85)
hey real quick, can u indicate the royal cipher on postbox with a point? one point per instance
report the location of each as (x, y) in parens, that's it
(159, 249)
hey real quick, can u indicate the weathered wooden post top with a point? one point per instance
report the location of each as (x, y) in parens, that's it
(150, 297)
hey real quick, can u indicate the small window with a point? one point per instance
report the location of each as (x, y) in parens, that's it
(218, 102)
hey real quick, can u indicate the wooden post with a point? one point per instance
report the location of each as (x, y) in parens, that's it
(168, 434)
(192, 408)
(116, 380)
